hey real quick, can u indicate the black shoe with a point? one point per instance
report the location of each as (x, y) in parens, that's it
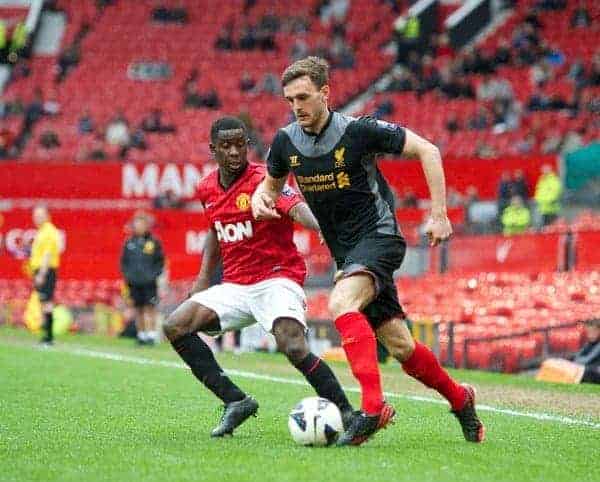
(234, 415)
(46, 343)
(348, 417)
(473, 429)
(365, 426)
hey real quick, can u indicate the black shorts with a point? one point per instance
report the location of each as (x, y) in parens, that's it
(143, 295)
(46, 290)
(378, 255)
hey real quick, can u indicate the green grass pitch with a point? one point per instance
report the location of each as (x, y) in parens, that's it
(66, 414)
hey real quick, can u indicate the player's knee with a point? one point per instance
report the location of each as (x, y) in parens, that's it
(289, 335)
(340, 303)
(173, 327)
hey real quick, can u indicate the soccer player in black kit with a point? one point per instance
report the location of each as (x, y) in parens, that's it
(332, 157)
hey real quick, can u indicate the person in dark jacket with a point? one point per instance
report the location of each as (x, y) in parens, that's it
(142, 262)
(589, 355)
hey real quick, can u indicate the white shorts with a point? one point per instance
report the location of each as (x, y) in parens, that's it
(238, 306)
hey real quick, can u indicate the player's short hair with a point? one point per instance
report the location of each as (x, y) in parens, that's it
(316, 68)
(224, 124)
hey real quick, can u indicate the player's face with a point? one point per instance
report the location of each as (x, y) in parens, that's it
(40, 215)
(230, 150)
(140, 226)
(308, 102)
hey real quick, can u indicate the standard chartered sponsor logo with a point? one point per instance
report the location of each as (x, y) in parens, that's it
(316, 178)
(230, 233)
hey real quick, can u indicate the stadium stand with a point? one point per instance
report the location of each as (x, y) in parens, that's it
(534, 40)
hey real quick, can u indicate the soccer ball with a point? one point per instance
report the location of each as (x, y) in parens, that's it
(316, 422)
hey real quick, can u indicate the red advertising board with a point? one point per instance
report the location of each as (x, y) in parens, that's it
(142, 181)
(93, 241)
(587, 250)
(526, 253)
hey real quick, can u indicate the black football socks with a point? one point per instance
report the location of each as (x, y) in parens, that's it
(48, 322)
(323, 380)
(199, 357)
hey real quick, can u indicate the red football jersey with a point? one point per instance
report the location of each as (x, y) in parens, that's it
(252, 251)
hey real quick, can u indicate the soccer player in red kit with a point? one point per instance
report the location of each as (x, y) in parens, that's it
(263, 274)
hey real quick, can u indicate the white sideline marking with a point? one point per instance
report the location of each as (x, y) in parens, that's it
(547, 417)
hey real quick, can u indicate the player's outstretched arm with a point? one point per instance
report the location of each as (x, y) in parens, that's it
(265, 197)
(302, 214)
(210, 258)
(438, 226)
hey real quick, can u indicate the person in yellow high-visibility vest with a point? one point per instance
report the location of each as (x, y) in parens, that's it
(516, 217)
(44, 262)
(3, 40)
(547, 194)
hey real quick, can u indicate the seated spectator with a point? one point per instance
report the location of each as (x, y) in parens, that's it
(118, 134)
(484, 150)
(247, 83)
(334, 10)
(552, 142)
(85, 125)
(299, 50)
(503, 54)
(506, 116)
(540, 73)
(538, 102)
(384, 109)
(408, 199)
(589, 355)
(192, 97)
(454, 197)
(154, 123)
(480, 120)
(138, 140)
(265, 40)
(580, 17)
(553, 56)
(552, 4)
(572, 141)
(577, 73)
(49, 139)
(95, 152)
(170, 14)
(548, 191)
(270, 84)
(248, 40)
(225, 39)
(168, 200)
(516, 218)
(527, 144)
(51, 106)
(453, 123)
(402, 81)
(429, 78)
(495, 88)
(67, 60)
(211, 100)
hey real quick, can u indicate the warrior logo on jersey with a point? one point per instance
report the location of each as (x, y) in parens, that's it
(232, 232)
(243, 202)
(294, 161)
(339, 158)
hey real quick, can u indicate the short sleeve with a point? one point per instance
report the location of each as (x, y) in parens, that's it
(288, 199)
(277, 165)
(380, 136)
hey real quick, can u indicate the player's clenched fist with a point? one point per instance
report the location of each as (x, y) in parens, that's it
(437, 229)
(263, 206)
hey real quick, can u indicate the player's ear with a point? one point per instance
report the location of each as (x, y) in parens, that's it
(325, 92)
(212, 148)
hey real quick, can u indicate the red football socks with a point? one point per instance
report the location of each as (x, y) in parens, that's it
(424, 366)
(360, 345)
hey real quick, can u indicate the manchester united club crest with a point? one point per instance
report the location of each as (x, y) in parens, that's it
(243, 202)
